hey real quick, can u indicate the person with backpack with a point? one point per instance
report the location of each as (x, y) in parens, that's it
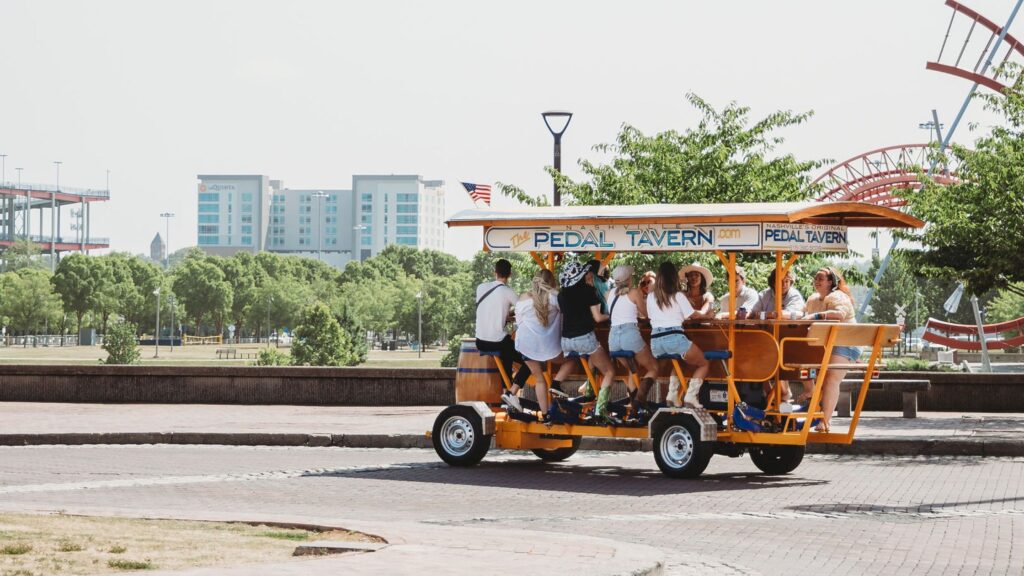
(493, 302)
(581, 311)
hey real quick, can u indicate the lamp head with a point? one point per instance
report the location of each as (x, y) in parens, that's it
(560, 118)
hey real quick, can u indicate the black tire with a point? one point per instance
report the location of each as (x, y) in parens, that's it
(558, 454)
(678, 449)
(458, 436)
(777, 459)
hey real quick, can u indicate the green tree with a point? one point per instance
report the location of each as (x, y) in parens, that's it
(975, 229)
(1008, 305)
(202, 291)
(121, 344)
(724, 158)
(77, 282)
(22, 254)
(28, 299)
(320, 340)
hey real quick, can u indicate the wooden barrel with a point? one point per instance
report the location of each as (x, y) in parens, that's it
(477, 377)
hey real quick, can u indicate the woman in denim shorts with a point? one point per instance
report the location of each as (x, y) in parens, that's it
(831, 301)
(581, 310)
(627, 304)
(668, 307)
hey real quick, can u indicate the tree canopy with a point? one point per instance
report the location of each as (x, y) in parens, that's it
(975, 229)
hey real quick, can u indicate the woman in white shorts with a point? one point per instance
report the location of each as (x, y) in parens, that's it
(627, 305)
(668, 307)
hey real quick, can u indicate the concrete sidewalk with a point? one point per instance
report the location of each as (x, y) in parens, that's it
(26, 423)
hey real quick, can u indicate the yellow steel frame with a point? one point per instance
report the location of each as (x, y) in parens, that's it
(515, 434)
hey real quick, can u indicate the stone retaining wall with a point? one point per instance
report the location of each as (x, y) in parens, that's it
(951, 392)
(228, 385)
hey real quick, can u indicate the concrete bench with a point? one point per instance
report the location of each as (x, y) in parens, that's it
(909, 389)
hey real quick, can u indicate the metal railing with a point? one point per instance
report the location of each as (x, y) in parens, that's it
(4, 237)
(42, 340)
(30, 186)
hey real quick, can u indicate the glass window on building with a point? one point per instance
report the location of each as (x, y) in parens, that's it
(405, 230)
(209, 197)
(366, 241)
(209, 208)
(209, 219)
(246, 207)
(367, 208)
(408, 197)
(209, 229)
(207, 240)
(246, 218)
(406, 208)
(366, 218)
(406, 241)
(365, 197)
(246, 196)
(246, 229)
(246, 240)
(408, 219)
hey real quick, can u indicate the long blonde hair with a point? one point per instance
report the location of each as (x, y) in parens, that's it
(543, 286)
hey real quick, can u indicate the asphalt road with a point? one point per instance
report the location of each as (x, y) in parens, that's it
(833, 515)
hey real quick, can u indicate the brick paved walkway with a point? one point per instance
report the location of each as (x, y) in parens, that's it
(834, 515)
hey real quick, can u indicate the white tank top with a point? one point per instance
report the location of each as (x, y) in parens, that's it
(623, 310)
(673, 317)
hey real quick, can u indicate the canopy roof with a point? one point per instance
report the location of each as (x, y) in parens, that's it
(855, 214)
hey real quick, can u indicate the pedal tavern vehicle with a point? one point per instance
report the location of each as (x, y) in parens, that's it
(749, 358)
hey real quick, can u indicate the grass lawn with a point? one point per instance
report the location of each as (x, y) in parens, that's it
(197, 355)
(33, 545)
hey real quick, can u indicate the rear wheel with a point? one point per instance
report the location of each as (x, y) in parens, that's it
(558, 454)
(458, 436)
(777, 459)
(678, 449)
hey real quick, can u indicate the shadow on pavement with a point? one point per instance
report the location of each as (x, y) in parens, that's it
(577, 478)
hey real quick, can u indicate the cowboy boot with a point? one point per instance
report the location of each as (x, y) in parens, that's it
(692, 393)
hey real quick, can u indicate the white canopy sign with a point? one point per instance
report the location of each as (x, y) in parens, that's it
(667, 238)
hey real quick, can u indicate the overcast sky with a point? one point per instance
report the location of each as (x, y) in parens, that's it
(311, 92)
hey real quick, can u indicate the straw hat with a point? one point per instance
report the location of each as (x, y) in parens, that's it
(695, 267)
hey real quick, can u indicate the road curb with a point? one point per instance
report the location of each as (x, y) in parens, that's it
(866, 446)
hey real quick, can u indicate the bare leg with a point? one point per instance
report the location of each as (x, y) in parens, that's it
(540, 385)
(830, 392)
(600, 360)
(695, 357)
(565, 370)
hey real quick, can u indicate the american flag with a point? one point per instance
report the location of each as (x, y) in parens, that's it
(478, 192)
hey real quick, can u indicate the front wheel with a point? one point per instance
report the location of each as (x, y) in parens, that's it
(777, 459)
(558, 454)
(458, 436)
(678, 449)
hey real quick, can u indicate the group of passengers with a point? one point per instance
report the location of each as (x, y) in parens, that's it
(556, 322)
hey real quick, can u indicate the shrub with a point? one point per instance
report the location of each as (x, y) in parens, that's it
(121, 344)
(321, 341)
(272, 357)
(451, 359)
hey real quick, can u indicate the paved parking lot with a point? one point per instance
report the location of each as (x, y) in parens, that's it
(838, 515)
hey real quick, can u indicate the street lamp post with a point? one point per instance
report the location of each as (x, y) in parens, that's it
(419, 321)
(167, 239)
(559, 129)
(53, 222)
(319, 222)
(170, 301)
(156, 333)
(269, 300)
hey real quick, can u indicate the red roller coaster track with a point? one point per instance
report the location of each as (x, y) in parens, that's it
(990, 81)
(874, 176)
(938, 332)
